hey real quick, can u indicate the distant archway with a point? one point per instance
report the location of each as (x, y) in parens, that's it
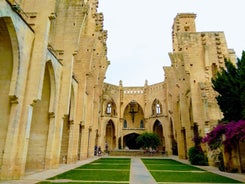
(158, 129)
(130, 141)
(133, 115)
(110, 137)
(38, 140)
(6, 71)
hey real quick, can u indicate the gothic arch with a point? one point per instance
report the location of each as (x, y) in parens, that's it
(53, 90)
(8, 75)
(110, 108)
(12, 36)
(156, 107)
(158, 129)
(133, 114)
(38, 138)
(110, 135)
(129, 141)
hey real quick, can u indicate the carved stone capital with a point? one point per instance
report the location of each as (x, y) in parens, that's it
(51, 115)
(13, 99)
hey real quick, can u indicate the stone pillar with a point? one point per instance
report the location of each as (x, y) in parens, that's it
(70, 142)
(51, 142)
(9, 153)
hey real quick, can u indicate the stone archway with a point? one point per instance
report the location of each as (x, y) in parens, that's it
(110, 138)
(37, 145)
(158, 129)
(6, 70)
(133, 115)
(129, 141)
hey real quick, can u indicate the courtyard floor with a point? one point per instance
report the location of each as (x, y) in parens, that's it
(148, 170)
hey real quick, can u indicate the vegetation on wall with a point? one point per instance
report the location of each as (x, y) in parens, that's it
(228, 134)
(196, 154)
(230, 85)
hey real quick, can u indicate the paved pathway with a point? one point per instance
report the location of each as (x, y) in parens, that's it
(139, 174)
(40, 176)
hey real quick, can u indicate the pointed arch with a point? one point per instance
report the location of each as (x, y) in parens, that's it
(15, 54)
(133, 114)
(156, 108)
(110, 108)
(8, 75)
(110, 136)
(158, 129)
(129, 141)
(53, 90)
(38, 139)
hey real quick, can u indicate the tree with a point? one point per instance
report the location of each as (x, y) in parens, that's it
(147, 140)
(230, 84)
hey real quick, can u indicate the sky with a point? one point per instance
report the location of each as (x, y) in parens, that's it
(139, 33)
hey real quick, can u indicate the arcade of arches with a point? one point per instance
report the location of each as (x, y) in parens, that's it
(56, 107)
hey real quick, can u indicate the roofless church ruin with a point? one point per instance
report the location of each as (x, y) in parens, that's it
(55, 105)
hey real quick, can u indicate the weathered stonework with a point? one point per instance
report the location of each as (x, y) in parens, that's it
(55, 106)
(53, 63)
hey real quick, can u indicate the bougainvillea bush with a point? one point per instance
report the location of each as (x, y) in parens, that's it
(233, 132)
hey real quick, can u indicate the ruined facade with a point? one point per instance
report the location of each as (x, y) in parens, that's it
(53, 63)
(55, 106)
(182, 106)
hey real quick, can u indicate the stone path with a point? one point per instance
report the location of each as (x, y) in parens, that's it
(139, 174)
(40, 176)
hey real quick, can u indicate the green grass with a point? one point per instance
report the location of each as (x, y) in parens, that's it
(47, 182)
(113, 160)
(100, 175)
(204, 177)
(103, 169)
(167, 170)
(105, 166)
(168, 164)
(108, 163)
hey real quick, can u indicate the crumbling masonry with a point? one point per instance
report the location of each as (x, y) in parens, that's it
(55, 106)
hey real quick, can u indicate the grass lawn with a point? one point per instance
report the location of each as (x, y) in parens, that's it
(100, 175)
(47, 182)
(108, 163)
(167, 170)
(104, 169)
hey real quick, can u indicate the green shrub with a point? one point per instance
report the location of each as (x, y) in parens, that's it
(197, 156)
(147, 140)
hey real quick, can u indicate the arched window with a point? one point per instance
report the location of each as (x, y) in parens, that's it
(158, 108)
(108, 109)
(125, 124)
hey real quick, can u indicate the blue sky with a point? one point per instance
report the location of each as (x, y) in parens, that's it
(139, 33)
